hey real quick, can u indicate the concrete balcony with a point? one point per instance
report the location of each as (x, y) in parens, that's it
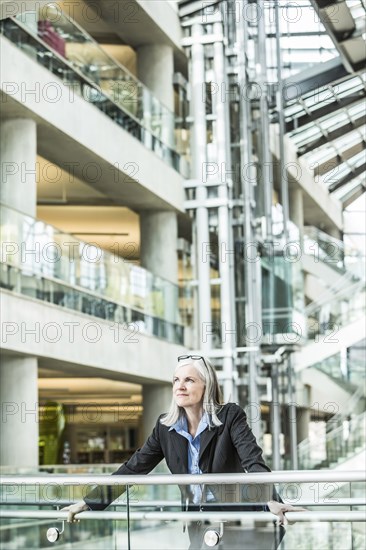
(77, 344)
(129, 173)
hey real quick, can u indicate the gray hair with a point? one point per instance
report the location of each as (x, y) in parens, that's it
(212, 397)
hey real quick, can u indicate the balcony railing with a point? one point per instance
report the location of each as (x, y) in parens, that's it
(67, 50)
(327, 249)
(346, 305)
(149, 513)
(40, 261)
(336, 446)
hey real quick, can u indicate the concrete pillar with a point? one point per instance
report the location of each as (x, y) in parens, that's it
(302, 423)
(297, 210)
(156, 400)
(158, 252)
(19, 403)
(18, 153)
(155, 68)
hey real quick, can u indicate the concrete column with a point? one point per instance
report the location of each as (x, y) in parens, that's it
(155, 68)
(297, 210)
(19, 403)
(156, 400)
(302, 423)
(158, 252)
(18, 153)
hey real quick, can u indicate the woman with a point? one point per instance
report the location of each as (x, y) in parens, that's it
(198, 435)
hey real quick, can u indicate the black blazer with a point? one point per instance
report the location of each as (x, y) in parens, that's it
(229, 448)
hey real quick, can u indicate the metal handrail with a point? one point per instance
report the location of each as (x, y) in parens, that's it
(351, 501)
(189, 516)
(293, 476)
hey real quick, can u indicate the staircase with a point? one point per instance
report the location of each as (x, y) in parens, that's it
(340, 444)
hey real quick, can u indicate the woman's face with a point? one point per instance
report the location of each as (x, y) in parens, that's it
(188, 387)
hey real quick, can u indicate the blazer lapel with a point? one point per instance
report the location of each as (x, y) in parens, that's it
(179, 459)
(206, 438)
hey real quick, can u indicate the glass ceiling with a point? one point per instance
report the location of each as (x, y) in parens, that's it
(325, 140)
(327, 124)
(298, 21)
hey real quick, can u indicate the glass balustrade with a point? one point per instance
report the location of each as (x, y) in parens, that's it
(45, 263)
(346, 368)
(323, 247)
(335, 446)
(152, 514)
(327, 317)
(327, 249)
(69, 52)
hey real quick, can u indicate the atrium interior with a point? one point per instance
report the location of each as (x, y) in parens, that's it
(179, 177)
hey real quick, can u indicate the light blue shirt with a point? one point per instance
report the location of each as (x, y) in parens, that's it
(194, 445)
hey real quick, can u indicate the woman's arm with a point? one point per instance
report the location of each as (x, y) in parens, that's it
(141, 462)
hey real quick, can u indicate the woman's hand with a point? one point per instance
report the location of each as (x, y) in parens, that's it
(74, 509)
(279, 509)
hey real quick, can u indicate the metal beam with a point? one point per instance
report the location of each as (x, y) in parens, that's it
(339, 158)
(330, 108)
(350, 176)
(342, 130)
(311, 79)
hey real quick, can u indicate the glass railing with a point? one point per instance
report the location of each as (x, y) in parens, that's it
(64, 48)
(327, 249)
(345, 371)
(327, 316)
(45, 263)
(336, 446)
(151, 512)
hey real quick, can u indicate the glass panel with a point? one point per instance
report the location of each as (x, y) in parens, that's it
(328, 316)
(330, 449)
(72, 42)
(61, 269)
(159, 517)
(304, 41)
(282, 285)
(322, 247)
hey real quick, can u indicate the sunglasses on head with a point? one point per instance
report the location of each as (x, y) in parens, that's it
(193, 357)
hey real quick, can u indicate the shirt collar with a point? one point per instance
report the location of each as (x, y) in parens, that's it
(182, 424)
